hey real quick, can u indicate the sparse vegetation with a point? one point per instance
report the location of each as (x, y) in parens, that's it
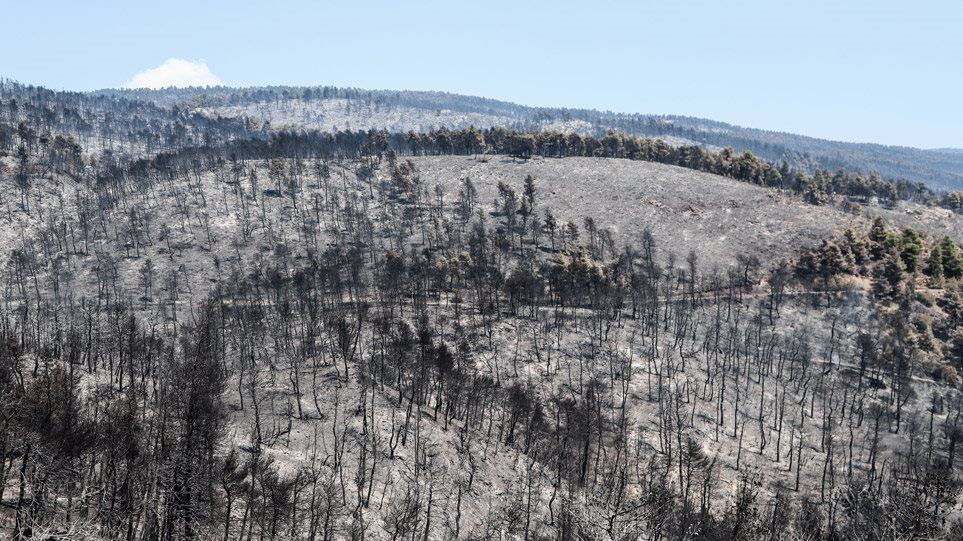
(233, 333)
(332, 109)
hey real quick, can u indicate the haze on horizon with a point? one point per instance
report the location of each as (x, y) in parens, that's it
(881, 72)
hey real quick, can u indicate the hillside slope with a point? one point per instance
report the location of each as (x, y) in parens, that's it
(257, 335)
(683, 209)
(331, 347)
(328, 107)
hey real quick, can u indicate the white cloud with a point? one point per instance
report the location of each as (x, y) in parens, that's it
(175, 72)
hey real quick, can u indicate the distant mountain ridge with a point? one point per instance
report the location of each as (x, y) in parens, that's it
(327, 107)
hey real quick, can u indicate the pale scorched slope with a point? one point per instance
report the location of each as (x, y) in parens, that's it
(684, 209)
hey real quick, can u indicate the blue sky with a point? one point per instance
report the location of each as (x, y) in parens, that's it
(887, 72)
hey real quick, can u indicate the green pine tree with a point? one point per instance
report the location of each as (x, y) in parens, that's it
(912, 247)
(952, 264)
(888, 275)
